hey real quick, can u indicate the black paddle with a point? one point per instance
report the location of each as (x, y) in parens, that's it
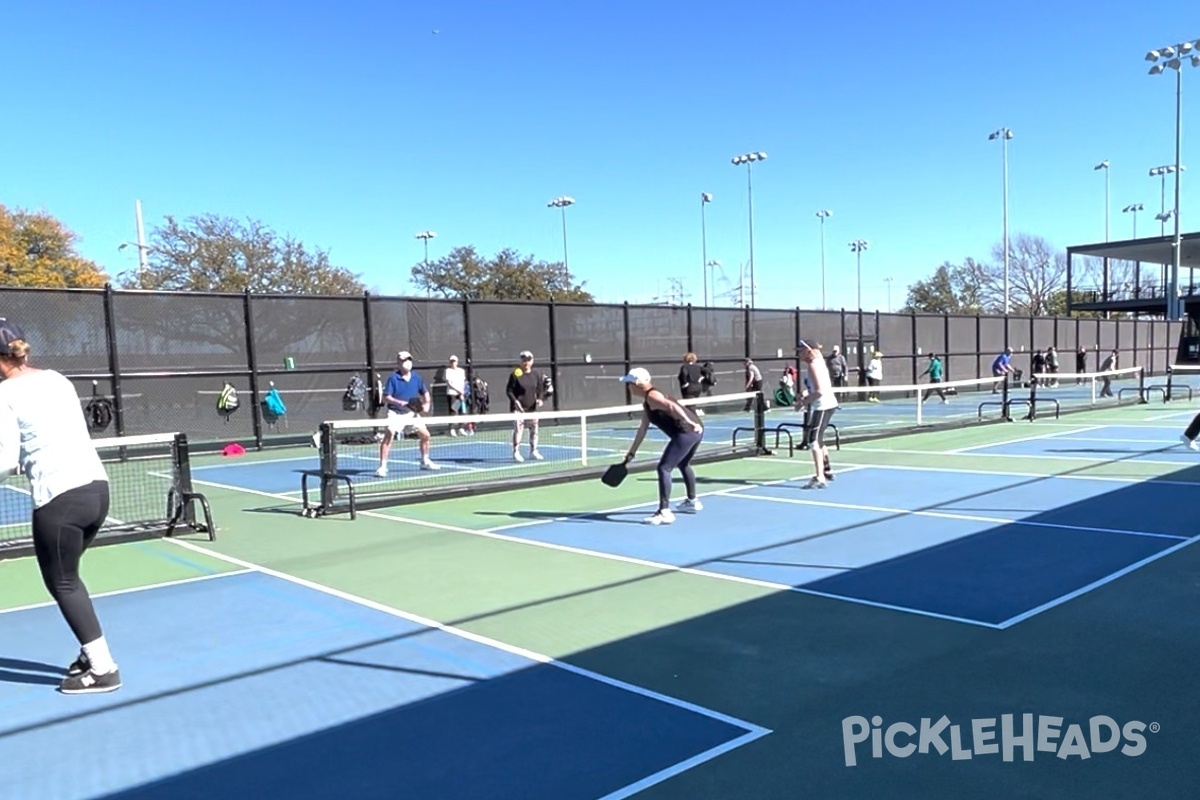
(614, 474)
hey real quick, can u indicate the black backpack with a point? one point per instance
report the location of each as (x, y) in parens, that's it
(708, 373)
(355, 395)
(98, 413)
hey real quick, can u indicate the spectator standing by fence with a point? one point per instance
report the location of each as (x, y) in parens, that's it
(456, 393)
(874, 375)
(836, 362)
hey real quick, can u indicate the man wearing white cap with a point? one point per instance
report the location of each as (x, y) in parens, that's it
(524, 392)
(456, 393)
(685, 434)
(405, 394)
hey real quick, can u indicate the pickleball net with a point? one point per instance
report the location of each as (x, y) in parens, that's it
(474, 453)
(150, 494)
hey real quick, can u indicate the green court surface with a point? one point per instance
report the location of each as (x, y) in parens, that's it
(1042, 569)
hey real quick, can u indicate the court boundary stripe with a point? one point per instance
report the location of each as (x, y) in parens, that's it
(1011, 474)
(132, 589)
(1095, 461)
(1096, 584)
(901, 512)
(1081, 429)
(752, 731)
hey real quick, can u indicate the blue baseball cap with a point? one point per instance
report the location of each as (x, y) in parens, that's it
(9, 333)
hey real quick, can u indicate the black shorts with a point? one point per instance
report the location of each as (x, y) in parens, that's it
(818, 421)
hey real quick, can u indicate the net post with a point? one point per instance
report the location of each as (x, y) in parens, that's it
(920, 395)
(1033, 385)
(583, 444)
(1170, 377)
(1006, 409)
(1142, 386)
(328, 456)
(1092, 384)
(760, 424)
(181, 466)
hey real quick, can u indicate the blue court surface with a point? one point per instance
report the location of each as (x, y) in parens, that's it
(978, 548)
(250, 685)
(1145, 443)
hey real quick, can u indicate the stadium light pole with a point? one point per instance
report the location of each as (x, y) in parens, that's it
(888, 281)
(1104, 166)
(858, 246)
(426, 236)
(1161, 173)
(823, 214)
(562, 203)
(705, 199)
(712, 265)
(1174, 60)
(1133, 208)
(1004, 134)
(748, 159)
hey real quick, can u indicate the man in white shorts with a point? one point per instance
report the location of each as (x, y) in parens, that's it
(405, 394)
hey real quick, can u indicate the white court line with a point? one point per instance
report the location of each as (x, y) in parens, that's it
(889, 607)
(1172, 415)
(1097, 461)
(1007, 473)
(752, 731)
(1024, 439)
(116, 592)
(1008, 623)
(955, 516)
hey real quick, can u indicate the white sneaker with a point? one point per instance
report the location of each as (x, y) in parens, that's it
(814, 483)
(381, 472)
(453, 432)
(699, 412)
(517, 457)
(429, 465)
(1191, 443)
(470, 431)
(660, 517)
(536, 456)
(689, 506)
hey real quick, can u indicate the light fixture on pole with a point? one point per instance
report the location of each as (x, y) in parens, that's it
(1004, 134)
(858, 246)
(705, 199)
(1104, 166)
(823, 214)
(562, 203)
(888, 281)
(426, 236)
(748, 159)
(1161, 173)
(1133, 208)
(1174, 60)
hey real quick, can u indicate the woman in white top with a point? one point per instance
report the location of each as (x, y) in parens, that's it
(456, 392)
(821, 402)
(874, 374)
(43, 434)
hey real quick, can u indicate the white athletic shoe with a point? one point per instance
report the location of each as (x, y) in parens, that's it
(517, 457)
(381, 472)
(689, 506)
(814, 483)
(660, 517)
(429, 465)
(536, 456)
(453, 432)
(1191, 443)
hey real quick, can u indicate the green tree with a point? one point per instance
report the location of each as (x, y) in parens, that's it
(952, 289)
(36, 250)
(218, 254)
(464, 274)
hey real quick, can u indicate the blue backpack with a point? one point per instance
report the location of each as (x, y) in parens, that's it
(273, 406)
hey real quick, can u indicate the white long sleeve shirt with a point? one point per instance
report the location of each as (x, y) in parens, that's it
(42, 429)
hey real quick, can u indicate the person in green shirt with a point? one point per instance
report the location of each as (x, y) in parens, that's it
(935, 373)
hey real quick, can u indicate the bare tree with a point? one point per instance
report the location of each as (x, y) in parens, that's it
(1037, 276)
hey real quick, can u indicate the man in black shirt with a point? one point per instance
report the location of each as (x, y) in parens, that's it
(524, 392)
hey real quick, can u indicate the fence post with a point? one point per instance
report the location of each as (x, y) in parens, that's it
(553, 353)
(913, 318)
(252, 363)
(946, 345)
(795, 359)
(628, 350)
(979, 346)
(746, 331)
(114, 362)
(468, 350)
(369, 325)
(691, 344)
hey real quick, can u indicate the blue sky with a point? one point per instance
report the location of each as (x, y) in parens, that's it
(352, 126)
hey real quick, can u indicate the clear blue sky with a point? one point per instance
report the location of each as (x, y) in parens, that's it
(352, 126)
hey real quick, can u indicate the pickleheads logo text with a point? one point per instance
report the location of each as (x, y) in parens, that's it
(983, 737)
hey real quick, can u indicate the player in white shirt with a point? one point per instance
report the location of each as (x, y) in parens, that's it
(43, 433)
(822, 402)
(456, 392)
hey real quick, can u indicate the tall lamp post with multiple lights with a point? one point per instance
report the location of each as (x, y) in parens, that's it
(1161, 173)
(748, 159)
(1004, 134)
(1104, 166)
(823, 214)
(1174, 60)
(888, 281)
(858, 246)
(425, 236)
(1134, 208)
(562, 203)
(705, 199)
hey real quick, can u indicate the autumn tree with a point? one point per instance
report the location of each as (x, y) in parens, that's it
(952, 289)
(464, 274)
(36, 250)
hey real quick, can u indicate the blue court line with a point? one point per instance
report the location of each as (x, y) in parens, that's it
(504, 695)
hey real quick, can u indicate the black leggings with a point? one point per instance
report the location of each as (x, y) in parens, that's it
(678, 453)
(62, 530)
(1193, 429)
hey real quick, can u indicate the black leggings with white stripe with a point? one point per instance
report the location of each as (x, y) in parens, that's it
(678, 453)
(62, 530)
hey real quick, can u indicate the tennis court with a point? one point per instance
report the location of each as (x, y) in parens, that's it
(997, 611)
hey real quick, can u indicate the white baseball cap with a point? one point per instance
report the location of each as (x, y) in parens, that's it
(637, 375)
